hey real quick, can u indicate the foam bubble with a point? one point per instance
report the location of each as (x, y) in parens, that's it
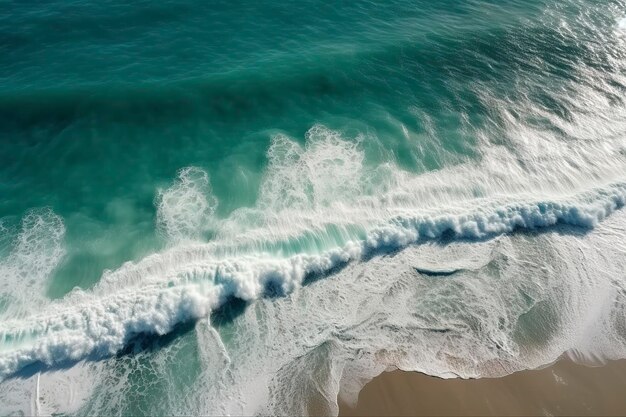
(185, 210)
(36, 252)
(328, 169)
(55, 392)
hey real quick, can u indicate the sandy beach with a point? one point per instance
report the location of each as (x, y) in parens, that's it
(565, 388)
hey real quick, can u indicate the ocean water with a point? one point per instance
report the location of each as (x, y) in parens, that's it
(254, 207)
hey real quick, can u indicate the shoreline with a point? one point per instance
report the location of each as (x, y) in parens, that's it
(563, 388)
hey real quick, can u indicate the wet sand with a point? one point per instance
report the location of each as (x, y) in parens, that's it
(564, 388)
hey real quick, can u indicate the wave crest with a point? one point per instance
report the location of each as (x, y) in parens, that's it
(101, 322)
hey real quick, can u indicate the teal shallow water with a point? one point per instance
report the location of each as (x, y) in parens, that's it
(99, 115)
(242, 150)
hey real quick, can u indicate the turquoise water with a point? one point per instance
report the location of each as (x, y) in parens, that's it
(248, 159)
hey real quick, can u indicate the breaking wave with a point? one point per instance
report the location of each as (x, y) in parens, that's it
(186, 283)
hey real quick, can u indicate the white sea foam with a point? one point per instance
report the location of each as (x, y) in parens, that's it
(36, 251)
(185, 210)
(519, 302)
(48, 393)
(328, 169)
(101, 322)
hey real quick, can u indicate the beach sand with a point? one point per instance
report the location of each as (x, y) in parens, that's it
(565, 388)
